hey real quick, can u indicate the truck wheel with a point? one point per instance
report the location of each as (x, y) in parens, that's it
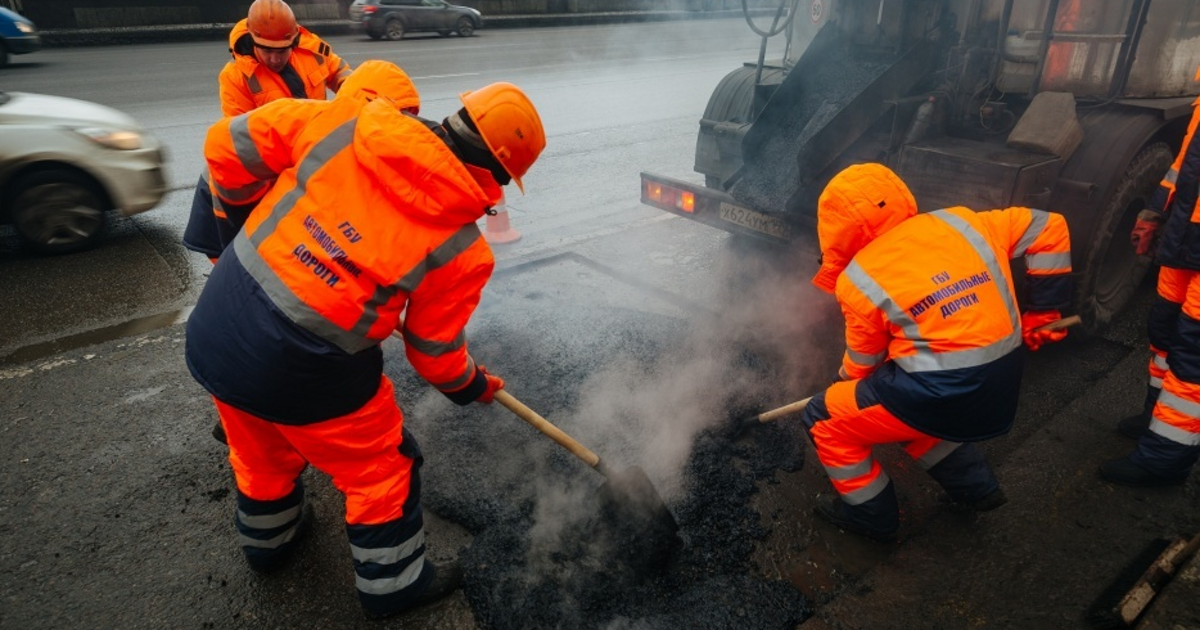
(1113, 272)
(57, 212)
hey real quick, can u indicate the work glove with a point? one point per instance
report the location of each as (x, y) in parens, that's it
(1145, 232)
(494, 384)
(1033, 320)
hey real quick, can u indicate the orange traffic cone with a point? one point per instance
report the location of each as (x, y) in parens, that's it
(497, 229)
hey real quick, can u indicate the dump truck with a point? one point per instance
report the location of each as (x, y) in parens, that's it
(1072, 106)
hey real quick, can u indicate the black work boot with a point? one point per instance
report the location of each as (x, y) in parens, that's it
(1126, 473)
(834, 511)
(1134, 426)
(218, 433)
(988, 503)
(446, 579)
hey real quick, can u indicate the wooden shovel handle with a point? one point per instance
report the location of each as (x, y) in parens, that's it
(547, 429)
(1065, 322)
(787, 409)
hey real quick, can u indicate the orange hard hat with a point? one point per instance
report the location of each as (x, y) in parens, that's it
(272, 24)
(375, 78)
(509, 124)
(857, 206)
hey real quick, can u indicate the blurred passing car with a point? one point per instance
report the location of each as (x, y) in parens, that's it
(64, 163)
(17, 35)
(391, 19)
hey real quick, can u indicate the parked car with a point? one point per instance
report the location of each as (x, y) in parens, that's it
(64, 163)
(17, 35)
(391, 19)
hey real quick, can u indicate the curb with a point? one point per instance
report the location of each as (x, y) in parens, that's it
(64, 38)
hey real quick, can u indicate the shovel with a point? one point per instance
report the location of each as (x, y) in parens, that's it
(799, 405)
(627, 496)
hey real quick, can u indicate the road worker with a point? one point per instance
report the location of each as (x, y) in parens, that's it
(1168, 427)
(933, 339)
(273, 58)
(372, 213)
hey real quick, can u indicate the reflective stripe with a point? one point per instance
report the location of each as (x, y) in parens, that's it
(244, 193)
(853, 471)
(866, 359)
(247, 151)
(843, 374)
(273, 543)
(1048, 261)
(389, 555)
(387, 586)
(868, 492)
(1174, 433)
(253, 84)
(1156, 382)
(1182, 405)
(268, 521)
(460, 382)
(434, 348)
(935, 455)
(1035, 229)
(441, 255)
(1171, 176)
(1160, 361)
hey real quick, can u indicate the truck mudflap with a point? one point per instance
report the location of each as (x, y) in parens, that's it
(715, 208)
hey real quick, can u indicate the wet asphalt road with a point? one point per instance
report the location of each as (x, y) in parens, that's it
(636, 332)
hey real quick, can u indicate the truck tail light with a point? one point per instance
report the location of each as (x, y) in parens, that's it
(665, 196)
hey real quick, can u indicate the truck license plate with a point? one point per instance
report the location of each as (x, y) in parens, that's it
(756, 221)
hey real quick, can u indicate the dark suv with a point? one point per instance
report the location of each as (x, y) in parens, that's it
(391, 19)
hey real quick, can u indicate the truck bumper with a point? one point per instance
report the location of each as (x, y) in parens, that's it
(717, 209)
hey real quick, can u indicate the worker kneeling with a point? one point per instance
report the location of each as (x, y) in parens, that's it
(372, 214)
(933, 338)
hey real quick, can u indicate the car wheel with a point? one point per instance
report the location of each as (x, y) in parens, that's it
(56, 212)
(464, 27)
(393, 30)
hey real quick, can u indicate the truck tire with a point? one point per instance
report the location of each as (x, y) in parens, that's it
(1113, 272)
(731, 102)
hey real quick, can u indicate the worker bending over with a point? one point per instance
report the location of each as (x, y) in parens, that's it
(273, 58)
(1168, 428)
(933, 338)
(372, 213)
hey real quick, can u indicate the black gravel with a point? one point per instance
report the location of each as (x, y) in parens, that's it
(547, 550)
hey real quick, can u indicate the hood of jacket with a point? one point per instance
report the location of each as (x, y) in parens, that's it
(417, 170)
(859, 205)
(375, 79)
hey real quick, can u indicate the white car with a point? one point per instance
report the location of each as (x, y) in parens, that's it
(64, 163)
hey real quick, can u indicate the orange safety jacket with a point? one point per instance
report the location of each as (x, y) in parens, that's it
(245, 84)
(932, 318)
(371, 215)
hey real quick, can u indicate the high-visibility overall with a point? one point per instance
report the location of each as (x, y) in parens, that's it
(246, 84)
(370, 215)
(1172, 444)
(933, 343)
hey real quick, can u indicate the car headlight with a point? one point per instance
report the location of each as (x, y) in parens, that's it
(25, 27)
(122, 139)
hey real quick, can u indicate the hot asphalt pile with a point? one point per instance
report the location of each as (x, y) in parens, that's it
(543, 555)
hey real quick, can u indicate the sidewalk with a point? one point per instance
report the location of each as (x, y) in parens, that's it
(219, 32)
